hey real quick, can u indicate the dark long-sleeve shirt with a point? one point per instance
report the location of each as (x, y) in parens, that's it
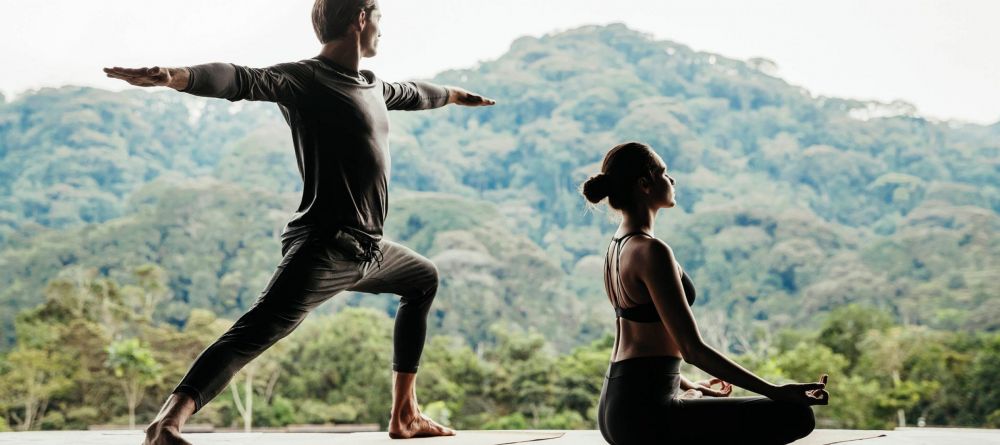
(340, 129)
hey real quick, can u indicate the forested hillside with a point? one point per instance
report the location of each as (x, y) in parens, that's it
(790, 206)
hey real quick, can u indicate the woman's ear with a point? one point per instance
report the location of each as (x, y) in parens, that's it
(644, 184)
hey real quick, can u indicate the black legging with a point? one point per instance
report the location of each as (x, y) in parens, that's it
(315, 268)
(639, 406)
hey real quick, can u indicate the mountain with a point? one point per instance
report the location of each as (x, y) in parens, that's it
(790, 204)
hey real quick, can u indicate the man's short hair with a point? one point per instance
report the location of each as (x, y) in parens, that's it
(332, 18)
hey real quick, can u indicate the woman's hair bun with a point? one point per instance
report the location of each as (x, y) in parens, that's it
(597, 188)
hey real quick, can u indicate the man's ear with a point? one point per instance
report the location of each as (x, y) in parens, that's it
(362, 20)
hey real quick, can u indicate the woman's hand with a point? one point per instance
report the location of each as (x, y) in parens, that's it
(690, 394)
(802, 393)
(706, 388)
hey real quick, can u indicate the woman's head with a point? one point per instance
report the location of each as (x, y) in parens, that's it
(633, 177)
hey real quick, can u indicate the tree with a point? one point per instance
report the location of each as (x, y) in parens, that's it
(133, 363)
(266, 366)
(342, 359)
(524, 373)
(846, 327)
(985, 370)
(579, 376)
(32, 376)
(790, 207)
(149, 291)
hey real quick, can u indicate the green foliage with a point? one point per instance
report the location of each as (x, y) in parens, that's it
(130, 360)
(984, 395)
(514, 421)
(807, 362)
(31, 379)
(53, 421)
(342, 359)
(785, 199)
(317, 412)
(821, 239)
(334, 370)
(845, 327)
(71, 155)
(455, 379)
(580, 376)
(438, 411)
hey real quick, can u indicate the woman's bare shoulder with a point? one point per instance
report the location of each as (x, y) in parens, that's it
(652, 246)
(650, 250)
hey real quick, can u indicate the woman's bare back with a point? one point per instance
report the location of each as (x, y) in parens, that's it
(635, 339)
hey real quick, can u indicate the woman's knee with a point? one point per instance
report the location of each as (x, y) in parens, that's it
(802, 419)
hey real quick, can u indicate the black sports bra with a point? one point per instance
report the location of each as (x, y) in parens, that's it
(642, 313)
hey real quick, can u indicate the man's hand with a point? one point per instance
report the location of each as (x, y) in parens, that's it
(176, 78)
(461, 97)
(705, 387)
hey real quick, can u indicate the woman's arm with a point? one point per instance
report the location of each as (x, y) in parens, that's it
(658, 271)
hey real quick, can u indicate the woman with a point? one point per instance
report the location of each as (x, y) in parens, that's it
(655, 328)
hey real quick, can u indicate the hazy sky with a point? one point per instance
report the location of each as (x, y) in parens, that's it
(943, 56)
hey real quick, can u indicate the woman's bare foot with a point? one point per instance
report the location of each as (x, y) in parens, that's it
(417, 426)
(158, 433)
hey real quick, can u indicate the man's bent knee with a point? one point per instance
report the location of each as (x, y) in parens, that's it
(427, 283)
(433, 277)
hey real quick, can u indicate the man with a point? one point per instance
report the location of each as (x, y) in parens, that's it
(339, 121)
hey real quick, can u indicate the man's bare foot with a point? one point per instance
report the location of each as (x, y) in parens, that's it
(417, 426)
(405, 420)
(166, 427)
(158, 433)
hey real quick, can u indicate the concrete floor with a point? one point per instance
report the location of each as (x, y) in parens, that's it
(905, 436)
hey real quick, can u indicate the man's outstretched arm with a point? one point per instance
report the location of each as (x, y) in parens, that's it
(418, 95)
(284, 83)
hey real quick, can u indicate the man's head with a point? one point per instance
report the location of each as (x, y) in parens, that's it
(335, 19)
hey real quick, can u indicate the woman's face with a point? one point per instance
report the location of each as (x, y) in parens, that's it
(661, 190)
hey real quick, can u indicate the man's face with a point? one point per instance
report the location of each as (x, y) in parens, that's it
(372, 32)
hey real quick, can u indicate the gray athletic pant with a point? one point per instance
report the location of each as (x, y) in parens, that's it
(314, 268)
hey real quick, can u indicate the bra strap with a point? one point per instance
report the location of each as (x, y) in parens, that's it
(619, 247)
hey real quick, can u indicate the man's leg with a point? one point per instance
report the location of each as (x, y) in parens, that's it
(306, 277)
(415, 279)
